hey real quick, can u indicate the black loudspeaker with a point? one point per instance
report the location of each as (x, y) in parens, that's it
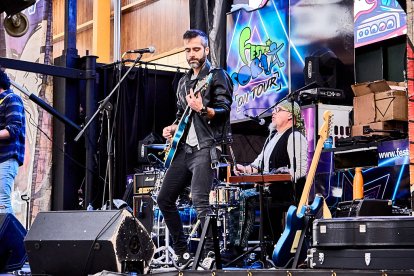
(364, 207)
(143, 210)
(12, 253)
(87, 242)
(321, 68)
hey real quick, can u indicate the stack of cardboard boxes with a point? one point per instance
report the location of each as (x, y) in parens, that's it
(379, 105)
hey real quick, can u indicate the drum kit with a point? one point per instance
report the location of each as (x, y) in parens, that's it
(224, 197)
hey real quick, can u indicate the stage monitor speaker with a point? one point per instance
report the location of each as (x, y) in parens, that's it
(12, 253)
(87, 242)
(364, 207)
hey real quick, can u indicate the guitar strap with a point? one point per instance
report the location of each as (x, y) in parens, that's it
(214, 156)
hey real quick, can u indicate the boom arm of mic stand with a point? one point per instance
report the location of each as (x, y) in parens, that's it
(270, 107)
(290, 96)
(45, 106)
(106, 100)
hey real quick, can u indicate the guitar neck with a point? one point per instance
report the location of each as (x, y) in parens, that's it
(310, 175)
(323, 135)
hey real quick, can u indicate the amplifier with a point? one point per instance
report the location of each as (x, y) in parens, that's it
(143, 209)
(145, 190)
(364, 207)
(144, 180)
(321, 93)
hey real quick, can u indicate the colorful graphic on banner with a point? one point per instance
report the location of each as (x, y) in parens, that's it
(257, 58)
(388, 180)
(261, 59)
(377, 20)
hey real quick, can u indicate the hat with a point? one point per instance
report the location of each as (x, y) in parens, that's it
(287, 105)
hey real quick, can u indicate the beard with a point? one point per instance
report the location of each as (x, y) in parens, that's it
(271, 127)
(196, 63)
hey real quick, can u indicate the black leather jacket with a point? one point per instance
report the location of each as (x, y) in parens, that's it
(218, 96)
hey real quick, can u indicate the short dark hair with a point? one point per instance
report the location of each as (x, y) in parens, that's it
(194, 33)
(4, 80)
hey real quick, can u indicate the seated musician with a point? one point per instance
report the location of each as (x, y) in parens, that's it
(277, 156)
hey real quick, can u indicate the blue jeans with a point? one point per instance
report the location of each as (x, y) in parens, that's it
(189, 167)
(8, 171)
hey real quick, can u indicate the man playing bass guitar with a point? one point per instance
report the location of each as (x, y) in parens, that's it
(204, 98)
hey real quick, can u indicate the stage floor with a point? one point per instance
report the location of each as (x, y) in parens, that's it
(284, 272)
(171, 271)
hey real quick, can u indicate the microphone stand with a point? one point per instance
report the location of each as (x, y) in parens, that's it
(263, 244)
(294, 149)
(291, 97)
(102, 106)
(287, 97)
(45, 106)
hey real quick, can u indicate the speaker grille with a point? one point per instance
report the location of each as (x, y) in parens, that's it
(85, 242)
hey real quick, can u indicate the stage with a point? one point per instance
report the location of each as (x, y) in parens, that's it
(284, 272)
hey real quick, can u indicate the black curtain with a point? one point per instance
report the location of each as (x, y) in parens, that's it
(145, 104)
(210, 17)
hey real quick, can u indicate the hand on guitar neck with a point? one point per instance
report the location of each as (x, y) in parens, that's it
(175, 132)
(194, 102)
(168, 132)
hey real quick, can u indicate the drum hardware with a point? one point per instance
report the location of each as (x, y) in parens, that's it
(165, 251)
(211, 223)
(193, 231)
(224, 196)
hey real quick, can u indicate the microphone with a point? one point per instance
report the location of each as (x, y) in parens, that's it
(150, 49)
(258, 120)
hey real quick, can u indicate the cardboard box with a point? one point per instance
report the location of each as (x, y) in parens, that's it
(379, 101)
(358, 130)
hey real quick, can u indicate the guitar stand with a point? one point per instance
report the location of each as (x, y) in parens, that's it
(211, 221)
(300, 253)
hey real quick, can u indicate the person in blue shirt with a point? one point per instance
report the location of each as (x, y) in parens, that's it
(12, 138)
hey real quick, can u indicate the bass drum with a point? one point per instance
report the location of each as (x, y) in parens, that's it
(188, 216)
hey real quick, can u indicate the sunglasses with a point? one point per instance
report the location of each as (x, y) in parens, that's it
(277, 109)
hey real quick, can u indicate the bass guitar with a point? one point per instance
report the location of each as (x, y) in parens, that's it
(285, 248)
(171, 147)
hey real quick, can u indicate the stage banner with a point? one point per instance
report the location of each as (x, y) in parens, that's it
(377, 20)
(410, 91)
(388, 178)
(257, 57)
(33, 182)
(267, 49)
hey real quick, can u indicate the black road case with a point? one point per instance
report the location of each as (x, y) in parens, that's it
(390, 258)
(363, 232)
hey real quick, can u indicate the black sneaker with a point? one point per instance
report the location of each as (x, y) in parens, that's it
(209, 261)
